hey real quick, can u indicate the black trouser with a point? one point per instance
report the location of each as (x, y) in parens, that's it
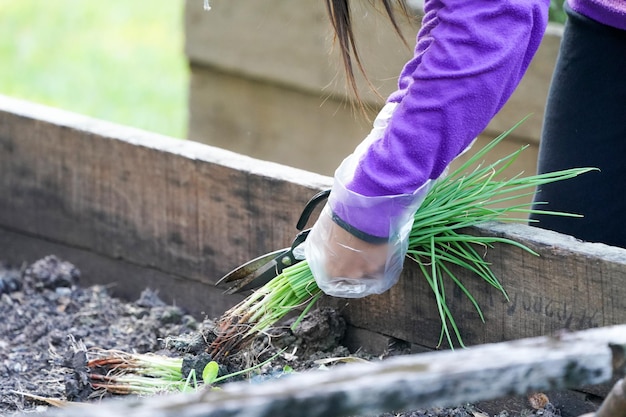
(585, 126)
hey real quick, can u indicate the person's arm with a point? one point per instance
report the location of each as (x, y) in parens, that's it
(470, 56)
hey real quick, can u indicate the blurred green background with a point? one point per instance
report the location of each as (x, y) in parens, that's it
(557, 14)
(118, 60)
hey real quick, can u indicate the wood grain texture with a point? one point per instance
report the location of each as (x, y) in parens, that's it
(177, 206)
(571, 285)
(193, 212)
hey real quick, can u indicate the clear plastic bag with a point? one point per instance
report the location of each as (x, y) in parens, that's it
(358, 245)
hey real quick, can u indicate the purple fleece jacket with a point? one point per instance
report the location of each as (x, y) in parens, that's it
(608, 12)
(469, 57)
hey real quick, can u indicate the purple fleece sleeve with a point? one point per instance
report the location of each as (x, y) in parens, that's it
(469, 57)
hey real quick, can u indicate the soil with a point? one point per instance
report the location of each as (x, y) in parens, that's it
(50, 323)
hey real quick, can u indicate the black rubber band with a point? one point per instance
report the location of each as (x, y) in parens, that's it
(366, 237)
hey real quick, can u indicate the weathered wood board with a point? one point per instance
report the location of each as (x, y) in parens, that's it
(303, 58)
(139, 209)
(570, 285)
(170, 206)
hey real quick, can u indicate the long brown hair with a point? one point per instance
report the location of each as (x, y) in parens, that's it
(341, 20)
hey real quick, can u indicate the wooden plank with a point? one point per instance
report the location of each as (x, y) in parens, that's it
(173, 205)
(570, 285)
(446, 378)
(294, 128)
(229, 38)
(232, 35)
(194, 212)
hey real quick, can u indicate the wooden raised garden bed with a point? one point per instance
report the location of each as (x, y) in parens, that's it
(176, 215)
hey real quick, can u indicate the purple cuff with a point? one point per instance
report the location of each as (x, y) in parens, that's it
(372, 219)
(608, 12)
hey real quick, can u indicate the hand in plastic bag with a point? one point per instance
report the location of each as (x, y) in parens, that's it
(358, 245)
(344, 265)
(350, 263)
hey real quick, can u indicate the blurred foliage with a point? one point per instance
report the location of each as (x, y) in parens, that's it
(116, 60)
(557, 14)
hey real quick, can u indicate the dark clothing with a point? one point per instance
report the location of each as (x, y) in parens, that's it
(585, 126)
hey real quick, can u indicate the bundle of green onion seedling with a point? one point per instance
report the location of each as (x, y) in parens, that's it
(119, 372)
(466, 197)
